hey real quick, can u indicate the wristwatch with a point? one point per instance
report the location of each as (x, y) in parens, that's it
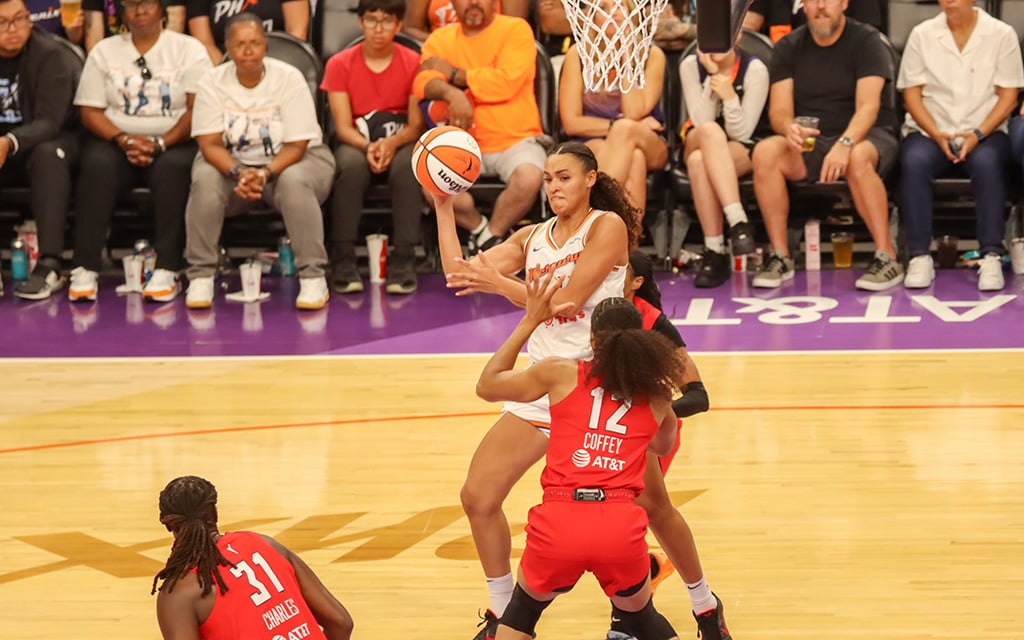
(846, 141)
(233, 172)
(979, 134)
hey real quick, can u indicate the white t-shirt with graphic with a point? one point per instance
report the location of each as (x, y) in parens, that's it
(256, 122)
(143, 95)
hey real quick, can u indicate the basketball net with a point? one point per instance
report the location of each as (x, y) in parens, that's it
(613, 38)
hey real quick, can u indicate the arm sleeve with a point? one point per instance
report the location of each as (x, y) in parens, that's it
(665, 327)
(1009, 68)
(433, 47)
(207, 111)
(742, 117)
(873, 58)
(51, 104)
(515, 64)
(701, 103)
(298, 111)
(92, 87)
(782, 60)
(912, 69)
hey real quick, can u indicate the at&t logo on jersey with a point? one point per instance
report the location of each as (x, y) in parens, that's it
(299, 632)
(580, 458)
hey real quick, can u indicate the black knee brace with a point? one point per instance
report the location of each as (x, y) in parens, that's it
(523, 612)
(645, 624)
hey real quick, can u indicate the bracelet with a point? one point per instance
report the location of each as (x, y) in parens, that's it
(233, 172)
(451, 76)
(159, 142)
(270, 174)
(116, 138)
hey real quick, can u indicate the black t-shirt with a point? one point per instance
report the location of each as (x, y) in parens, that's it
(220, 11)
(109, 9)
(825, 78)
(10, 107)
(778, 12)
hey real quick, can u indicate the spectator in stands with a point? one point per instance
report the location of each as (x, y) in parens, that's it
(776, 18)
(482, 69)
(424, 16)
(36, 85)
(626, 131)
(207, 19)
(377, 119)
(46, 15)
(839, 70)
(725, 94)
(237, 169)
(960, 75)
(136, 139)
(104, 18)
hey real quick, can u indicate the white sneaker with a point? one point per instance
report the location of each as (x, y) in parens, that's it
(920, 273)
(313, 293)
(200, 293)
(84, 285)
(161, 287)
(990, 273)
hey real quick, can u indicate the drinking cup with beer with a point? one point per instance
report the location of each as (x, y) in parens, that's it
(808, 130)
(842, 250)
(69, 12)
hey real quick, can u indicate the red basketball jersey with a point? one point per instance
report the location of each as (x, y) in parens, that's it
(263, 601)
(598, 440)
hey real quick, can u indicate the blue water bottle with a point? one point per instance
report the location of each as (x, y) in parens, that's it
(285, 257)
(19, 260)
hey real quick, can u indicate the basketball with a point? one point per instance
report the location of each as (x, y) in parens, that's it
(446, 160)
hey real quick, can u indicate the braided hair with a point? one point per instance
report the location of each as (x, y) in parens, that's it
(627, 359)
(188, 508)
(606, 194)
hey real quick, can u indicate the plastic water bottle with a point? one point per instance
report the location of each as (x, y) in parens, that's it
(19, 260)
(286, 257)
(148, 254)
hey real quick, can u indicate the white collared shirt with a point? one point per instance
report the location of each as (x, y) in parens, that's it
(959, 87)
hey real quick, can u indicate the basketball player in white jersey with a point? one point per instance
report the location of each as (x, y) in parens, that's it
(587, 243)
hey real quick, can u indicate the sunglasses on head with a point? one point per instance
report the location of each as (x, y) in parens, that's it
(141, 64)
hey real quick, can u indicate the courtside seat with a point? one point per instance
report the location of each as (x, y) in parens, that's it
(335, 25)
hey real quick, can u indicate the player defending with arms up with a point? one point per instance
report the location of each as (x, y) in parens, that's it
(605, 414)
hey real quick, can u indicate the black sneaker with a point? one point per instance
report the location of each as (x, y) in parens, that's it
(474, 246)
(41, 283)
(741, 238)
(401, 277)
(711, 624)
(489, 626)
(714, 269)
(345, 277)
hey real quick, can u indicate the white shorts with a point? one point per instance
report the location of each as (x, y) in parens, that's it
(537, 413)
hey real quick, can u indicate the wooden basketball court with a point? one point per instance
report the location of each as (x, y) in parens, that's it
(837, 495)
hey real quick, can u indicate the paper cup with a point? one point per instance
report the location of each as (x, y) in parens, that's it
(251, 273)
(1017, 255)
(377, 254)
(132, 273)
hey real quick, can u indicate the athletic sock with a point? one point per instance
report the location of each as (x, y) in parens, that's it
(701, 598)
(715, 243)
(734, 213)
(501, 592)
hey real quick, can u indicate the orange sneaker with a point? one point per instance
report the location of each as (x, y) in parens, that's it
(661, 568)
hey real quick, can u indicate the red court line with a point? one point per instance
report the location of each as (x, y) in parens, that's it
(441, 416)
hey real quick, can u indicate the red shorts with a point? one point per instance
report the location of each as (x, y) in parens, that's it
(564, 539)
(666, 460)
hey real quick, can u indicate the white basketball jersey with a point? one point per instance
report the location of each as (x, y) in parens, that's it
(559, 336)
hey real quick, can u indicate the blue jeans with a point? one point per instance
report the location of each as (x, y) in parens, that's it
(921, 162)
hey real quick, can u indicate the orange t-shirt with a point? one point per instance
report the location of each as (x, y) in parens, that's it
(500, 64)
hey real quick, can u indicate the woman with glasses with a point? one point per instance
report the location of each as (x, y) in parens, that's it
(136, 140)
(208, 19)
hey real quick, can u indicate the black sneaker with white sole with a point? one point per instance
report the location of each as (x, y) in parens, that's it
(41, 283)
(714, 269)
(741, 238)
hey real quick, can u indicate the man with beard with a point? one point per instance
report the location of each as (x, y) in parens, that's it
(838, 70)
(482, 69)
